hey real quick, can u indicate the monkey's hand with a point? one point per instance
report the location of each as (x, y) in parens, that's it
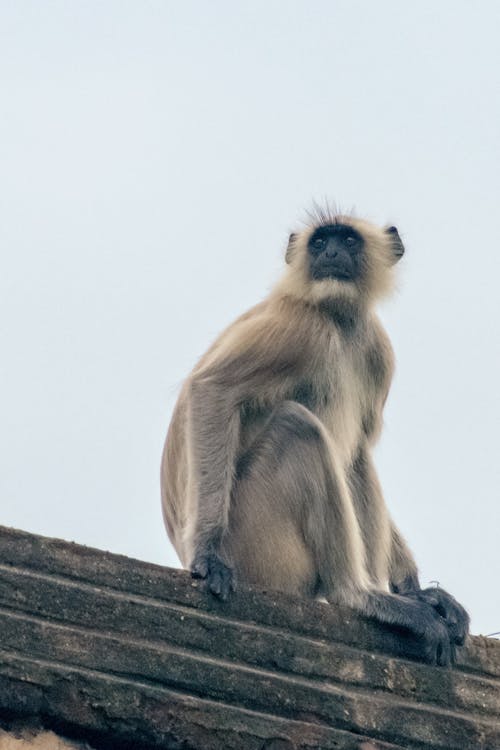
(218, 576)
(454, 615)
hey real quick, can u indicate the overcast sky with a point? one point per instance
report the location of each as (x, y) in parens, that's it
(154, 157)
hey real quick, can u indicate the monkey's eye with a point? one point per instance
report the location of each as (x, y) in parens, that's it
(350, 240)
(319, 243)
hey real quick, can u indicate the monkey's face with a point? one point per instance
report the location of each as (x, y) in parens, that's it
(342, 257)
(335, 252)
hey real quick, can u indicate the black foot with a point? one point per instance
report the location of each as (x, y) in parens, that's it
(418, 617)
(439, 648)
(453, 614)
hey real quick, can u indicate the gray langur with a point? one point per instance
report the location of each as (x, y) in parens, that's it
(267, 473)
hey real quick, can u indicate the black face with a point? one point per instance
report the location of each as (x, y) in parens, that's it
(335, 252)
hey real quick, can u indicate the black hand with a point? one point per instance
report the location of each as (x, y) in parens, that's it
(218, 576)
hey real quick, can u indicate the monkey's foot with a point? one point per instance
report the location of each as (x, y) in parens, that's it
(218, 576)
(432, 629)
(439, 649)
(453, 614)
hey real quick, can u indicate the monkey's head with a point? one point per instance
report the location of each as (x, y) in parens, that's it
(342, 258)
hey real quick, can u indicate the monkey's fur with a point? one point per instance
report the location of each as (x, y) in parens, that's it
(267, 474)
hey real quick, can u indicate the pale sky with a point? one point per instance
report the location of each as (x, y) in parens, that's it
(154, 157)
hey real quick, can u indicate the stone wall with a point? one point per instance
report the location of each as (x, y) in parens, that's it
(124, 654)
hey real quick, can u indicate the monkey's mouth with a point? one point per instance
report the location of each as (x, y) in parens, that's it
(333, 271)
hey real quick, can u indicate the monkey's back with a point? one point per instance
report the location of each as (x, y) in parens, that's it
(174, 476)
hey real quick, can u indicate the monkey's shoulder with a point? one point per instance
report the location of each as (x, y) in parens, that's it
(259, 348)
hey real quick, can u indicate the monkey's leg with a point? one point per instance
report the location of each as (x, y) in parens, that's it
(284, 531)
(292, 526)
(404, 580)
(373, 517)
(390, 561)
(455, 616)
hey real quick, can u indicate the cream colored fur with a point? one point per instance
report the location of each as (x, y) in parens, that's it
(294, 339)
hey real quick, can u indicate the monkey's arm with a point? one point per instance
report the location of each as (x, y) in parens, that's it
(217, 391)
(214, 438)
(402, 571)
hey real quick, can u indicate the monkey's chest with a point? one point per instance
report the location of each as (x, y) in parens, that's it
(344, 416)
(343, 396)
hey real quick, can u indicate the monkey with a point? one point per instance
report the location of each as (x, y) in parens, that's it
(267, 473)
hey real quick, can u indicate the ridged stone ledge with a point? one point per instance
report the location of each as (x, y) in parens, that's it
(125, 654)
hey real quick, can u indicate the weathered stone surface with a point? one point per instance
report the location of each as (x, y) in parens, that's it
(116, 650)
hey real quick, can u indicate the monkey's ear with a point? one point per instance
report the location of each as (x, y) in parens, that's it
(289, 249)
(398, 249)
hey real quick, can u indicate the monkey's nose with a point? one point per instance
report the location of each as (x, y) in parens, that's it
(331, 254)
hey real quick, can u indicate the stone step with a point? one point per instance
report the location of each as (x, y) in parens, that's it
(113, 712)
(114, 650)
(67, 601)
(371, 712)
